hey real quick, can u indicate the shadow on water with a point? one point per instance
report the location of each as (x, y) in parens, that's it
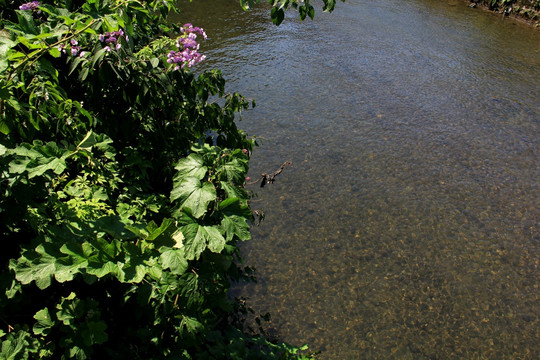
(408, 226)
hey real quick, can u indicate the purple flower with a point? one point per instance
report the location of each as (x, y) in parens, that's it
(74, 47)
(187, 54)
(190, 29)
(189, 43)
(33, 5)
(111, 39)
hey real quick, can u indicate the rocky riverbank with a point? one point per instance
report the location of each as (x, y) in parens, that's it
(525, 10)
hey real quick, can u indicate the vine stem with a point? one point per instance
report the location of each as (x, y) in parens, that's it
(270, 178)
(34, 56)
(10, 328)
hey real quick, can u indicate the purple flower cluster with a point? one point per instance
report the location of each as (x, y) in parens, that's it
(187, 54)
(74, 48)
(112, 38)
(32, 5)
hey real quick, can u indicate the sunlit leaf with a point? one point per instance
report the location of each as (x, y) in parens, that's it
(15, 346)
(191, 324)
(174, 260)
(236, 225)
(199, 237)
(193, 194)
(192, 165)
(41, 269)
(44, 322)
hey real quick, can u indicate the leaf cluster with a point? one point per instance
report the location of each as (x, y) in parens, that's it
(122, 191)
(279, 7)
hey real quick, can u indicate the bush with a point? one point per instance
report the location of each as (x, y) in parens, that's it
(122, 187)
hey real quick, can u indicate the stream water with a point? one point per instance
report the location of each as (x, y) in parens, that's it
(408, 225)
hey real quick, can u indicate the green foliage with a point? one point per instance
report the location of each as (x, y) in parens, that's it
(279, 7)
(122, 189)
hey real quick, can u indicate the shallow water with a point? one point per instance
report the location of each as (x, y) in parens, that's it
(408, 225)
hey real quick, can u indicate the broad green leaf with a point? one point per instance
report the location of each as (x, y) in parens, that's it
(175, 260)
(37, 159)
(234, 206)
(233, 171)
(26, 21)
(106, 250)
(236, 225)
(113, 225)
(194, 195)
(40, 270)
(154, 62)
(4, 127)
(4, 48)
(199, 237)
(56, 165)
(233, 191)
(88, 141)
(106, 260)
(14, 289)
(311, 12)
(246, 4)
(154, 231)
(15, 346)
(329, 5)
(5, 41)
(134, 268)
(216, 241)
(133, 273)
(101, 270)
(79, 252)
(84, 74)
(277, 15)
(194, 243)
(78, 353)
(70, 309)
(94, 332)
(54, 52)
(68, 266)
(98, 56)
(192, 165)
(154, 269)
(44, 322)
(191, 324)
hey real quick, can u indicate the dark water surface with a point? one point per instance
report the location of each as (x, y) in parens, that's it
(408, 225)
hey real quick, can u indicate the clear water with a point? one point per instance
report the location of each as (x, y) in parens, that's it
(408, 225)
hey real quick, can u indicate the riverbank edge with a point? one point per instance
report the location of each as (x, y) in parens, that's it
(518, 12)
